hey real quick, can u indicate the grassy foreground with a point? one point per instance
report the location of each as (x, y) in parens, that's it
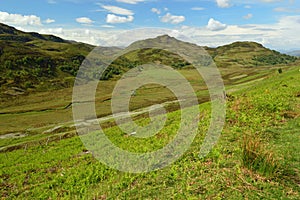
(257, 156)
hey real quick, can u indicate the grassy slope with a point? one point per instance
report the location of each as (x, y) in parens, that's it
(32, 61)
(247, 54)
(48, 105)
(35, 61)
(228, 172)
(262, 119)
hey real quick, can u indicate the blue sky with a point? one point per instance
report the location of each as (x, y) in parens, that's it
(274, 23)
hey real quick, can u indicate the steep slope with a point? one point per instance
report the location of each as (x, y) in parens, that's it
(12, 34)
(27, 59)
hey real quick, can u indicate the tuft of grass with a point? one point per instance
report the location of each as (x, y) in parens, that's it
(257, 156)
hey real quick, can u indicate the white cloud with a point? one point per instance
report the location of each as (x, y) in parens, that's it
(155, 10)
(55, 31)
(118, 10)
(84, 20)
(91, 36)
(215, 25)
(197, 8)
(247, 6)
(223, 3)
(107, 26)
(280, 35)
(49, 21)
(248, 16)
(283, 34)
(173, 19)
(114, 19)
(17, 19)
(130, 1)
(290, 22)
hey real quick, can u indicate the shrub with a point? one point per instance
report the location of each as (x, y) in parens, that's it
(28, 84)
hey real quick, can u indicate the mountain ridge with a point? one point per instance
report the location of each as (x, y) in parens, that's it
(30, 60)
(26, 36)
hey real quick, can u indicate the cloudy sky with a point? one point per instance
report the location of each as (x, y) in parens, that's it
(274, 23)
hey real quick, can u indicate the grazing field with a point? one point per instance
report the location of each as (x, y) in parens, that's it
(19, 114)
(256, 156)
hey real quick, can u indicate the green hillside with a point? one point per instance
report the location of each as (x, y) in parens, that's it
(238, 55)
(248, 54)
(29, 60)
(42, 156)
(35, 62)
(256, 157)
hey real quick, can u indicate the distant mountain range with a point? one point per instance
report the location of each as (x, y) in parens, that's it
(294, 53)
(41, 62)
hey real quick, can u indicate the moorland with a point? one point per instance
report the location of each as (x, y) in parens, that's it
(42, 156)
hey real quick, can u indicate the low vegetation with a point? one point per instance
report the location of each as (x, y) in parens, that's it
(31, 60)
(248, 54)
(34, 62)
(256, 156)
(42, 156)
